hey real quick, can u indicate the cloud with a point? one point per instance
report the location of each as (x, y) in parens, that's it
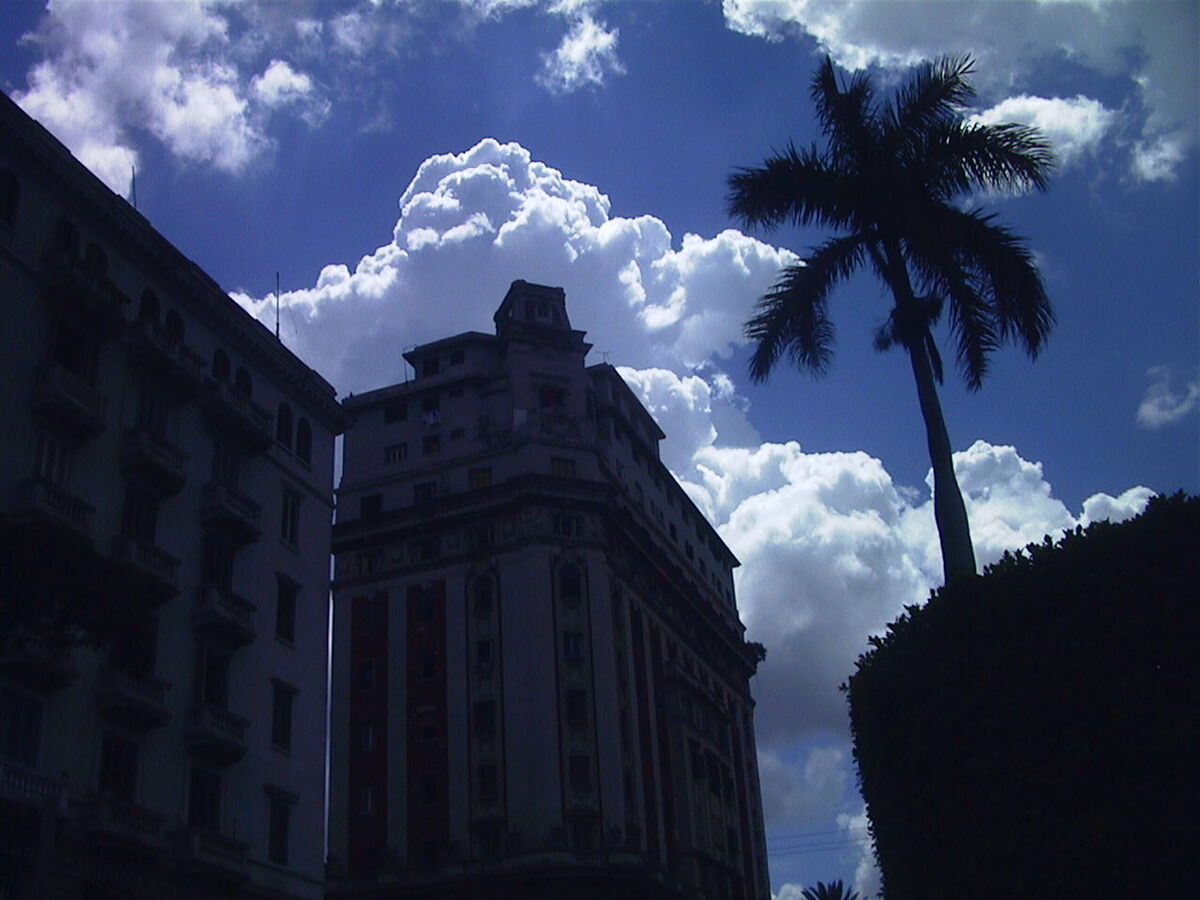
(586, 56)
(1162, 404)
(1145, 50)
(1074, 127)
(810, 792)
(170, 69)
(496, 213)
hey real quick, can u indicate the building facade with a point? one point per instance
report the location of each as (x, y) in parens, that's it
(540, 681)
(166, 477)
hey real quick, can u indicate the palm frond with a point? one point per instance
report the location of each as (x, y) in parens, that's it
(847, 116)
(800, 186)
(957, 157)
(792, 319)
(935, 92)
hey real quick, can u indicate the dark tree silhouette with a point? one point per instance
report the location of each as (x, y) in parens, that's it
(888, 180)
(832, 891)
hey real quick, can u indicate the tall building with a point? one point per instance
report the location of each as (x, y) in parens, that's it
(540, 681)
(166, 474)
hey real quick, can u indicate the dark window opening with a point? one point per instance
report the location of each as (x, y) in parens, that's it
(286, 594)
(283, 700)
(370, 506)
(304, 441)
(395, 412)
(279, 816)
(242, 381)
(118, 767)
(283, 426)
(204, 801)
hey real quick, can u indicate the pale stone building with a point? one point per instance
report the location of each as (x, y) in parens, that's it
(540, 680)
(166, 464)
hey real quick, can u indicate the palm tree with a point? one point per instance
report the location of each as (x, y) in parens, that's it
(889, 180)
(832, 891)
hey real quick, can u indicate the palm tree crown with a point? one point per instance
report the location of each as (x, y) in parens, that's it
(887, 181)
(832, 891)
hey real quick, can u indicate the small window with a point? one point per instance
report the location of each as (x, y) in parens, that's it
(457, 434)
(425, 492)
(204, 801)
(54, 461)
(482, 595)
(118, 767)
(573, 648)
(289, 527)
(148, 308)
(576, 708)
(580, 772)
(304, 441)
(242, 381)
(283, 700)
(95, 261)
(551, 398)
(20, 727)
(173, 328)
(431, 365)
(370, 506)
(483, 655)
(140, 519)
(283, 426)
(278, 827)
(570, 583)
(480, 478)
(489, 783)
(395, 412)
(395, 453)
(561, 467)
(220, 365)
(484, 716)
(431, 443)
(287, 592)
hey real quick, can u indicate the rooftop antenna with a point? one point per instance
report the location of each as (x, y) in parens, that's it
(133, 185)
(276, 304)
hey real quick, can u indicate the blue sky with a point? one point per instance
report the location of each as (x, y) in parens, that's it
(345, 145)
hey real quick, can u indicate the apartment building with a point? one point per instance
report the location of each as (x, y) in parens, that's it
(166, 473)
(540, 680)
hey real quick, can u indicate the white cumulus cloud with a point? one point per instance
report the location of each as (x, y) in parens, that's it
(1165, 404)
(1073, 126)
(586, 56)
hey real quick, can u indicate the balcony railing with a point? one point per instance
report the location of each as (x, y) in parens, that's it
(224, 615)
(139, 700)
(211, 855)
(215, 732)
(22, 785)
(154, 458)
(150, 562)
(66, 401)
(90, 295)
(53, 506)
(175, 362)
(119, 821)
(233, 410)
(232, 512)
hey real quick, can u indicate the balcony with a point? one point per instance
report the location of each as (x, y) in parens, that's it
(233, 412)
(65, 401)
(148, 563)
(228, 510)
(25, 787)
(169, 359)
(154, 459)
(224, 616)
(216, 733)
(87, 295)
(33, 661)
(121, 824)
(50, 507)
(211, 856)
(139, 701)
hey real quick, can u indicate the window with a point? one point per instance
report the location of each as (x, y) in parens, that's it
(431, 443)
(370, 506)
(430, 408)
(217, 562)
(287, 592)
(573, 648)
(576, 708)
(484, 719)
(283, 699)
(366, 737)
(304, 441)
(227, 464)
(204, 801)
(489, 783)
(425, 492)
(148, 308)
(154, 410)
(279, 813)
(20, 727)
(483, 655)
(54, 459)
(242, 382)
(562, 468)
(579, 768)
(140, 518)
(570, 583)
(220, 365)
(457, 434)
(118, 767)
(395, 453)
(551, 398)
(214, 676)
(482, 595)
(289, 521)
(480, 478)
(430, 366)
(173, 328)
(366, 673)
(76, 351)
(457, 357)
(426, 724)
(481, 536)
(565, 526)
(395, 412)
(283, 426)
(95, 261)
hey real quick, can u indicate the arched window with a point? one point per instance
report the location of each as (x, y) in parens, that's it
(483, 595)
(95, 261)
(283, 425)
(174, 327)
(304, 440)
(66, 238)
(148, 308)
(241, 381)
(570, 583)
(220, 365)
(10, 197)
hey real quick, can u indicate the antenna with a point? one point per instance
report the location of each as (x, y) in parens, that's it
(276, 304)
(133, 185)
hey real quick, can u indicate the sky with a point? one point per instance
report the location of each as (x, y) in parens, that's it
(399, 163)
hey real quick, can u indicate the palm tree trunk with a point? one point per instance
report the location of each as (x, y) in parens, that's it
(949, 511)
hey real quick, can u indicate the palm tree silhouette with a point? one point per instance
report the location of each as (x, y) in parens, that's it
(832, 891)
(888, 180)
